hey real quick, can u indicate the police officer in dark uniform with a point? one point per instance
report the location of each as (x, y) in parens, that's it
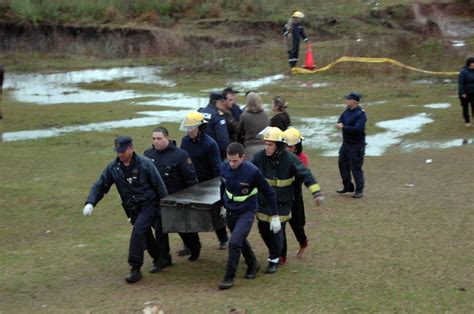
(205, 155)
(177, 170)
(140, 187)
(216, 126)
(351, 154)
(230, 94)
(240, 183)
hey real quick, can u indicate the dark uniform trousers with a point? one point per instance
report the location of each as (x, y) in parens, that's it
(160, 251)
(145, 219)
(351, 159)
(298, 220)
(273, 241)
(240, 226)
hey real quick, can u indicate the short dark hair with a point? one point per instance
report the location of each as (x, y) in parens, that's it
(163, 130)
(469, 61)
(235, 148)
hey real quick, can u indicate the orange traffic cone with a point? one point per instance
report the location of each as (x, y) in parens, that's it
(309, 63)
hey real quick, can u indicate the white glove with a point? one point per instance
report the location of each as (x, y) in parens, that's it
(223, 212)
(87, 211)
(275, 224)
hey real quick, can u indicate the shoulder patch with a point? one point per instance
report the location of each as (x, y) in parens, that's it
(189, 161)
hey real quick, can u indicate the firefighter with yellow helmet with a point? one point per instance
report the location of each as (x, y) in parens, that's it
(293, 141)
(281, 168)
(293, 32)
(205, 154)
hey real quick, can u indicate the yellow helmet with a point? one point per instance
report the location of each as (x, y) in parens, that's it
(272, 134)
(298, 14)
(292, 136)
(192, 120)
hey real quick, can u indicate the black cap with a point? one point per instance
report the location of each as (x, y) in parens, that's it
(230, 90)
(353, 95)
(122, 143)
(216, 96)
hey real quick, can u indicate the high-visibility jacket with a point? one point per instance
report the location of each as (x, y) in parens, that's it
(239, 189)
(281, 170)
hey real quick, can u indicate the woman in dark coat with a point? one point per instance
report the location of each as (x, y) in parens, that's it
(281, 119)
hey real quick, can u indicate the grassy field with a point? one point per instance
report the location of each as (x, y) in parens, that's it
(407, 246)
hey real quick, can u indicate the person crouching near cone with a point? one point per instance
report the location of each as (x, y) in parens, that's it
(281, 168)
(293, 141)
(240, 183)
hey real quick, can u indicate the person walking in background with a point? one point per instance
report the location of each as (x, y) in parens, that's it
(252, 121)
(177, 171)
(351, 154)
(205, 156)
(230, 101)
(293, 140)
(216, 122)
(281, 119)
(240, 183)
(466, 90)
(294, 32)
(140, 187)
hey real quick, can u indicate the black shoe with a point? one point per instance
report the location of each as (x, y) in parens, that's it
(223, 245)
(134, 275)
(345, 190)
(226, 284)
(184, 251)
(358, 195)
(195, 255)
(156, 268)
(271, 268)
(252, 271)
(165, 262)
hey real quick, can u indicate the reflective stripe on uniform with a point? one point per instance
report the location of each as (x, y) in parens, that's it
(314, 188)
(281, 183)
(268, 218)
(240, 198)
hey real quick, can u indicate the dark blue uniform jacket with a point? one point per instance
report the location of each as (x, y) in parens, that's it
(242, 181)
(354, 121)
(175, 167)
(466, 81)
(144, 186)
(205, 155)
(216, 127)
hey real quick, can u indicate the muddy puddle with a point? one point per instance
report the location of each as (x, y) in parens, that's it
(152, 118)
(58, 88)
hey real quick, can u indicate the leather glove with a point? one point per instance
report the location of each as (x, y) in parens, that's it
(275, 224)
(87, 211)
(223, 212)
(318, 198)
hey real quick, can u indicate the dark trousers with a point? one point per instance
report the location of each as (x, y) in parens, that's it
(293, 54)
(465, 107)
(158, 245)
(222, 235)
(298, 219)
(351, 159)
(240, 226)
(145, 219)
(273, 241)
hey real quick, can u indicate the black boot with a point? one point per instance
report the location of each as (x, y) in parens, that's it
(156, 268)
(252, 270)
(226, 283)
(184, 251)
(134, 275)
(345, 190)
(271, 268)
(195, 254)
